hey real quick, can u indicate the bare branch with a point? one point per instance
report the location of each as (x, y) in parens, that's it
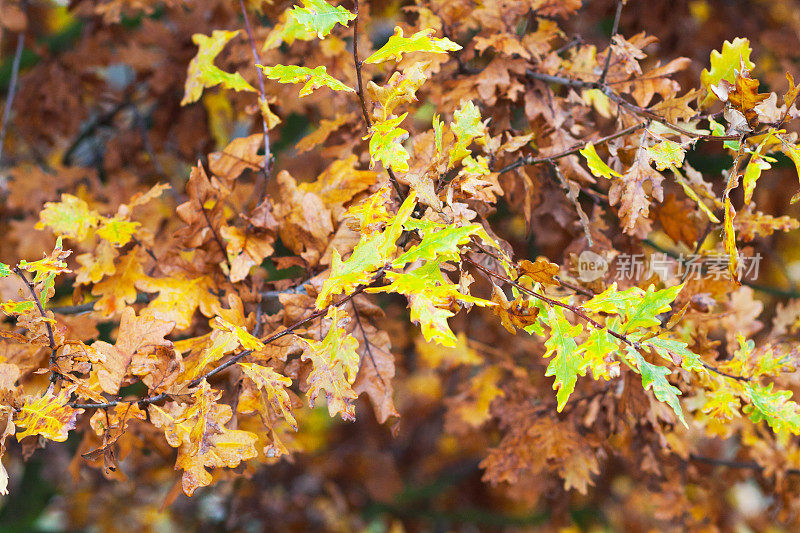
(54, 375)
(642, 112)
(572, 195)
(367, 344)
(12, 90)
(363, 100)
(262, 96)
(614, 28)
(525, 161)
(241, 355)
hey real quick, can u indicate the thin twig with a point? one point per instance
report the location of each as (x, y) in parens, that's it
(12, 90)
(106, 405)
(572, 195)
(367, 343)
(363, 100)
(358, 64)
(53, 348)
(238, 357)
(528, 160)
(576, 41)
(72, 309)
(700, 241)
(614, 28)
(147, 250)
(642, 112)
(262, 95)
(553, 302)
(561, 80)
(736, 464)
(721, 373)
(259, 321)
(578, 312)
(300, 289)
(217, 238)
(90, 127)
(575, 288)
(657, 118)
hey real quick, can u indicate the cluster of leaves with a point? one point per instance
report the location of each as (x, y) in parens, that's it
(419, 246)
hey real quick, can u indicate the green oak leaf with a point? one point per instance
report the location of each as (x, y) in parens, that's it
(598, 354)
(567, 362)
(430, 295)
(613, 301)
(12, 308)
(397, 45)
(314, 78)
(386, 144)
(467, 126)
(320, 17)
(734, 56)
(117, 230)
(654, 377)
(202, 73)
(689, 360)
(370, 254)
(335, 366)
(652, 304)
(287, 30)
(666, 154)
(773, 406)
(442, 243)
(432, 320)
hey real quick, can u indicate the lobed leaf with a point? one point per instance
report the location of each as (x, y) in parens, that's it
(48, 416)
(202, 72)
(397, 45)
(313, 78)
(318, 16)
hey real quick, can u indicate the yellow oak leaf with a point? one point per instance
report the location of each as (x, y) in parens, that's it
(178, 298)
(48, 416)
(135, 333)
(118, 290)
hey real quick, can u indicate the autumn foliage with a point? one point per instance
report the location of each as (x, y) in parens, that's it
(400, 265)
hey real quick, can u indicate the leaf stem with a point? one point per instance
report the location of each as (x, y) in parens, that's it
(54, 375)
(363, 99)
(615, 27)
(12, 90)
(642, 112)
(262, 96)
(528, 160)
(553, 302)
(239, 356)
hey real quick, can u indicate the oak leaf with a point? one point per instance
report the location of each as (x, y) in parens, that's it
(48, 416)
(178, 298)
(135, 334)
(335, 366)
(313, 78)
(118, 290)
(397, 45)
(203, 74)
(540, 271)
(274, 386)
(319, 17)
